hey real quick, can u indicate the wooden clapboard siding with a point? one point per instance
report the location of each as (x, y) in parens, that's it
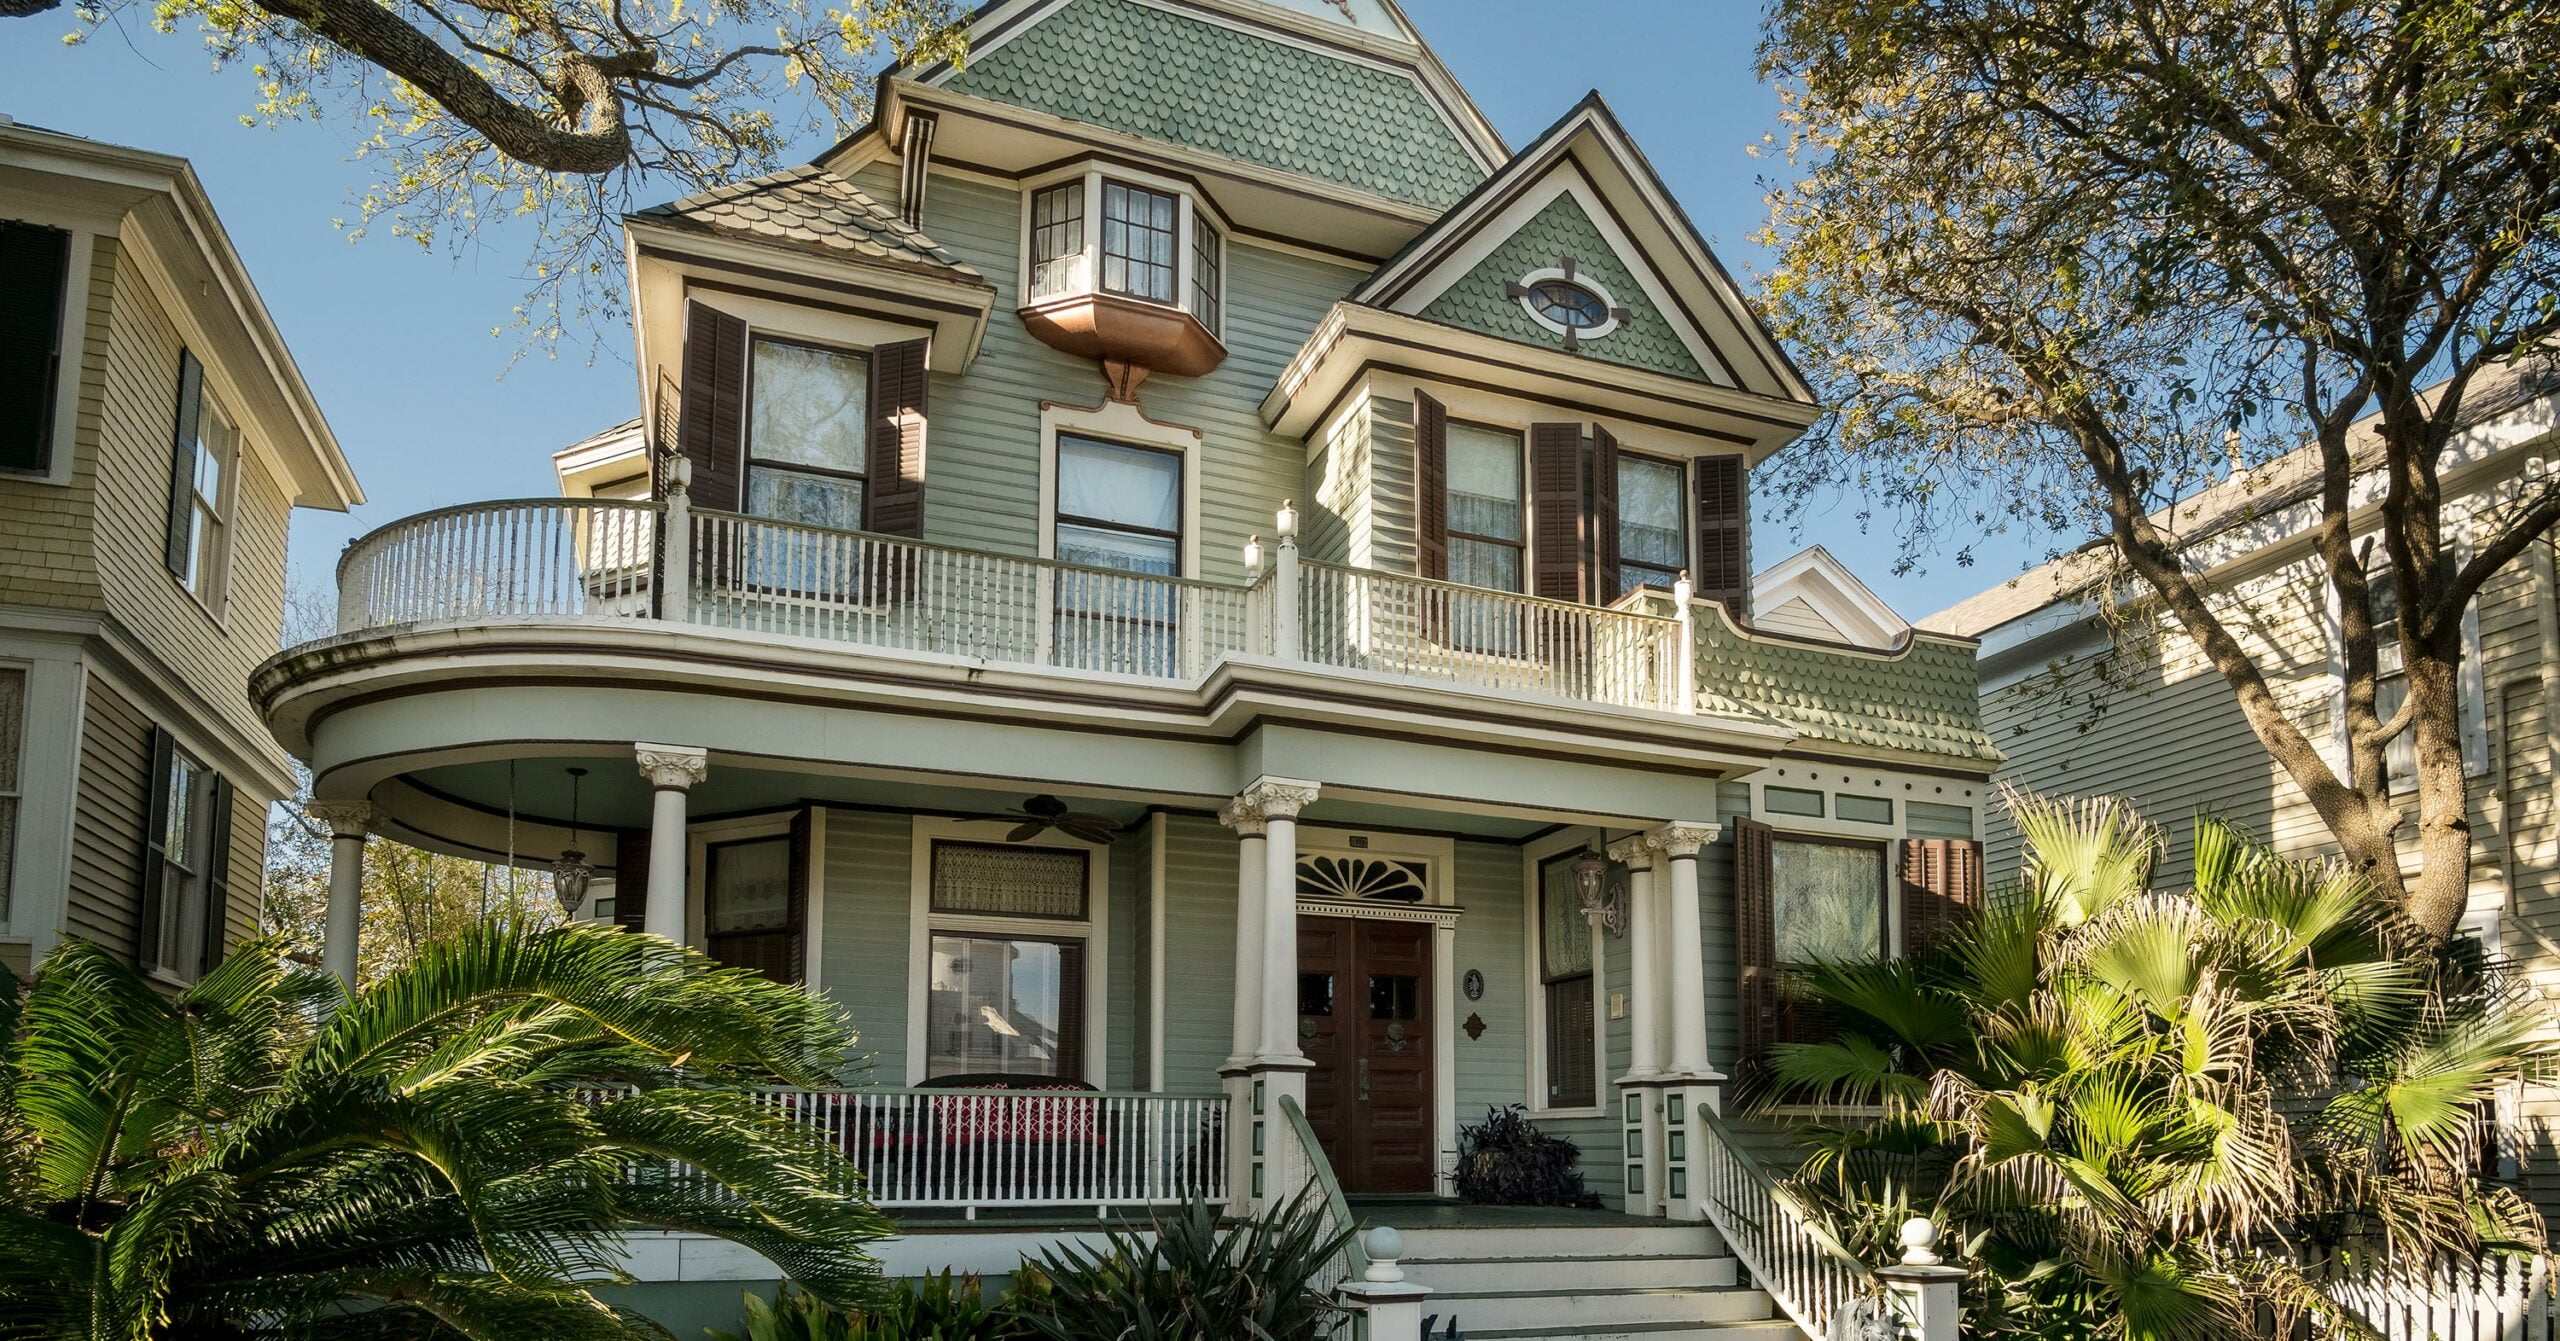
(48, 552)
(862, 954)
(1121, 960)
(1493, 1071)
(1930, 819)
(1392, 515)
(1335, 492)
(1798, 619)
(1137, 854)
(213, 653)
(983, 476)
(1200, 950)
(109, 809)
(248, 861)
(1362, 479)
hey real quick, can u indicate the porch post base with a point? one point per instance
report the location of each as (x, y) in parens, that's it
(1684, 1188)
(1270, 1167)
(1643, 1147)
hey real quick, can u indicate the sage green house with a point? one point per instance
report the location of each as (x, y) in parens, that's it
(1176, 566)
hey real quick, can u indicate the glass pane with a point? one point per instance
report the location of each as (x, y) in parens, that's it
(1131, 486)
(810, 500)
(1476, 563)
(1001, 1005)
(2400, 757)
(810, 406)
(750, 887)
(1009, 881)
(1564, 938)
(797, 561)
(1484, 482)
(1650, 511)
(1827, 901)
(1098, 548)
(1137, 242)
(1632, 576)
(186, 780)
(1315, 994)
(1394, 997)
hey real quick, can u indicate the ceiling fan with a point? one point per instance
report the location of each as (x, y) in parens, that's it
(1043, 813)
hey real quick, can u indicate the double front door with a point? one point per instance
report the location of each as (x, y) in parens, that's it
(1364, 1020)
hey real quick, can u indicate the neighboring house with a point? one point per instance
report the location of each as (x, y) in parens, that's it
(154, 439)
(2162, 727)
(1158, 566)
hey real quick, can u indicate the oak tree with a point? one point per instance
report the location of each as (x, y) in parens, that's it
(2075, 259)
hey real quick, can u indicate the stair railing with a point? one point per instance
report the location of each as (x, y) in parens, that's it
(1812, 1278)
(1302, 1164)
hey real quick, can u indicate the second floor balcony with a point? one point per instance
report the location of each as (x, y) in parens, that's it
(620, 563)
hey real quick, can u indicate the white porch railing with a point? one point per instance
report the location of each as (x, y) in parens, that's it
(971, 1149)
(563, 558)
(1803, 1268)
(2505, 1299)
(592, 558)
(1362, 619)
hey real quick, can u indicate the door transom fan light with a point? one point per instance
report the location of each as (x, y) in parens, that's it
(1043, 813)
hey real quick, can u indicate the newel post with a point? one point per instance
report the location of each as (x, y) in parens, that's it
(1284, 586)
(675, 544)
(1684, 670)
(1390, 1307)
(1928, 1296)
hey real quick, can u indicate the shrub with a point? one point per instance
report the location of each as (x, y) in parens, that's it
(1195, 1278)
(936, 1308)
(1506, 1161)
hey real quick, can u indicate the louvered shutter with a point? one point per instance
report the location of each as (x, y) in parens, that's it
(1555, 505)
(1941, 889)
(796, 938)
(1071, 996)
(631, 880)
(1604, 517)
(179, 534)
(153, 894)
(217, 873)
(1431, 487)
(1754, 939)
(1724, 535)
(711, 427)
(34, 274)
(899, 382)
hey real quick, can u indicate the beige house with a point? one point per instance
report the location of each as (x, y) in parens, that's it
(154, 440)
(2170, 735)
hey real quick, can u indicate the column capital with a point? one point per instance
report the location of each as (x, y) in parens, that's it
(1634, 852)
(346, 819)
(1278, 798)
(1683, 838)
(676, 766)
(1242, 816)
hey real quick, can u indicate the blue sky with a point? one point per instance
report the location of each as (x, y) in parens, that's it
(396, 341)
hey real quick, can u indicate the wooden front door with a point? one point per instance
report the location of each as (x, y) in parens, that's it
(1364, 1019)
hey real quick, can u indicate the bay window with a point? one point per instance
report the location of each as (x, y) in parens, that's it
(1137, 242)
(1057, 241)
(1006, 991)
(1152, 242)
(1653, 537)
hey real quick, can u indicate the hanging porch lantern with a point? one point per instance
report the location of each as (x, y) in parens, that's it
(570, 874)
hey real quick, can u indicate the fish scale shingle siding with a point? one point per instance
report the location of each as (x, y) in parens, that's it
(1213, 87)
(1481, 300)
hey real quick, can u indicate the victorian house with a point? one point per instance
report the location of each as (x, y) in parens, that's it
(1206, 598)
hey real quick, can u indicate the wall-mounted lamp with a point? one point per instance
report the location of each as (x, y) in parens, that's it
(1287, 522)
(1253, 556)
(1603, 907)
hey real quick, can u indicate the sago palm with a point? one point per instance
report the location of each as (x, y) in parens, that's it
(2154, 1114)
(454, 1153)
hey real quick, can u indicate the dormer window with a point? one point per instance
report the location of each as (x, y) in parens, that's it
(1128, 271)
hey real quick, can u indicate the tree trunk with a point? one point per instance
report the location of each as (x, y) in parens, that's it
(2440, 892)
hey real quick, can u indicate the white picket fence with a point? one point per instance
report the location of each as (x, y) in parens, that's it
(2502, 1299)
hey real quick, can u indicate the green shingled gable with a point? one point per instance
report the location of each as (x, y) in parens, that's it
(1921, 700)
(1481, 300)
(1135, 68)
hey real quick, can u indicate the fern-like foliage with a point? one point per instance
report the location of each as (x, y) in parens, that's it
(455, 1153)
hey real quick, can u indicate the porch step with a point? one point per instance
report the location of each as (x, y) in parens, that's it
(1695, 1271)
(1775, 1329)
(1556, 1243)
(1547, 1311)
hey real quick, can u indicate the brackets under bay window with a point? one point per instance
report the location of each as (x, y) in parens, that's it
(1124, 268)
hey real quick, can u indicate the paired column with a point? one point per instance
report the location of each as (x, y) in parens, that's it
(350, 824)
(1641, 1130)
(671, 770)
(1279, 800)
(1264, 1162)
(1245, 1039)
(1688, 1078)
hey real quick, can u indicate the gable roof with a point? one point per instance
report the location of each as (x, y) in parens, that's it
(813, 209)
(1262, 83)
(1832, 592)
(1588, 156)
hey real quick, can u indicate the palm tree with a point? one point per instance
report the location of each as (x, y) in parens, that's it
(2166, 1114)
(454, 1153)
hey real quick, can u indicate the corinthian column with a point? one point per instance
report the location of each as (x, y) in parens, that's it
(671, 770)
(1279, 800)
(1678, 843)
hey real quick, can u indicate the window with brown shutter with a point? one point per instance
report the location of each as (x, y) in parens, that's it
(1724, 534)
(899, 383)
(1754, 948)
(751, 914)
(35, 265)
(711, 426)
(631, 879)
(1431, 486)
(1941, 889)
(1603, 586)
(1555, 505)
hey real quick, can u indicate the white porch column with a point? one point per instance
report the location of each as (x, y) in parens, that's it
(1279, 800)
(1252, 872)
(670, 769)
(1644, 988)
(1679, 843)
(350, 823)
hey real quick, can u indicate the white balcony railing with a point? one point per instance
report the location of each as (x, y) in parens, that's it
(972, 1149)
(582, 559)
